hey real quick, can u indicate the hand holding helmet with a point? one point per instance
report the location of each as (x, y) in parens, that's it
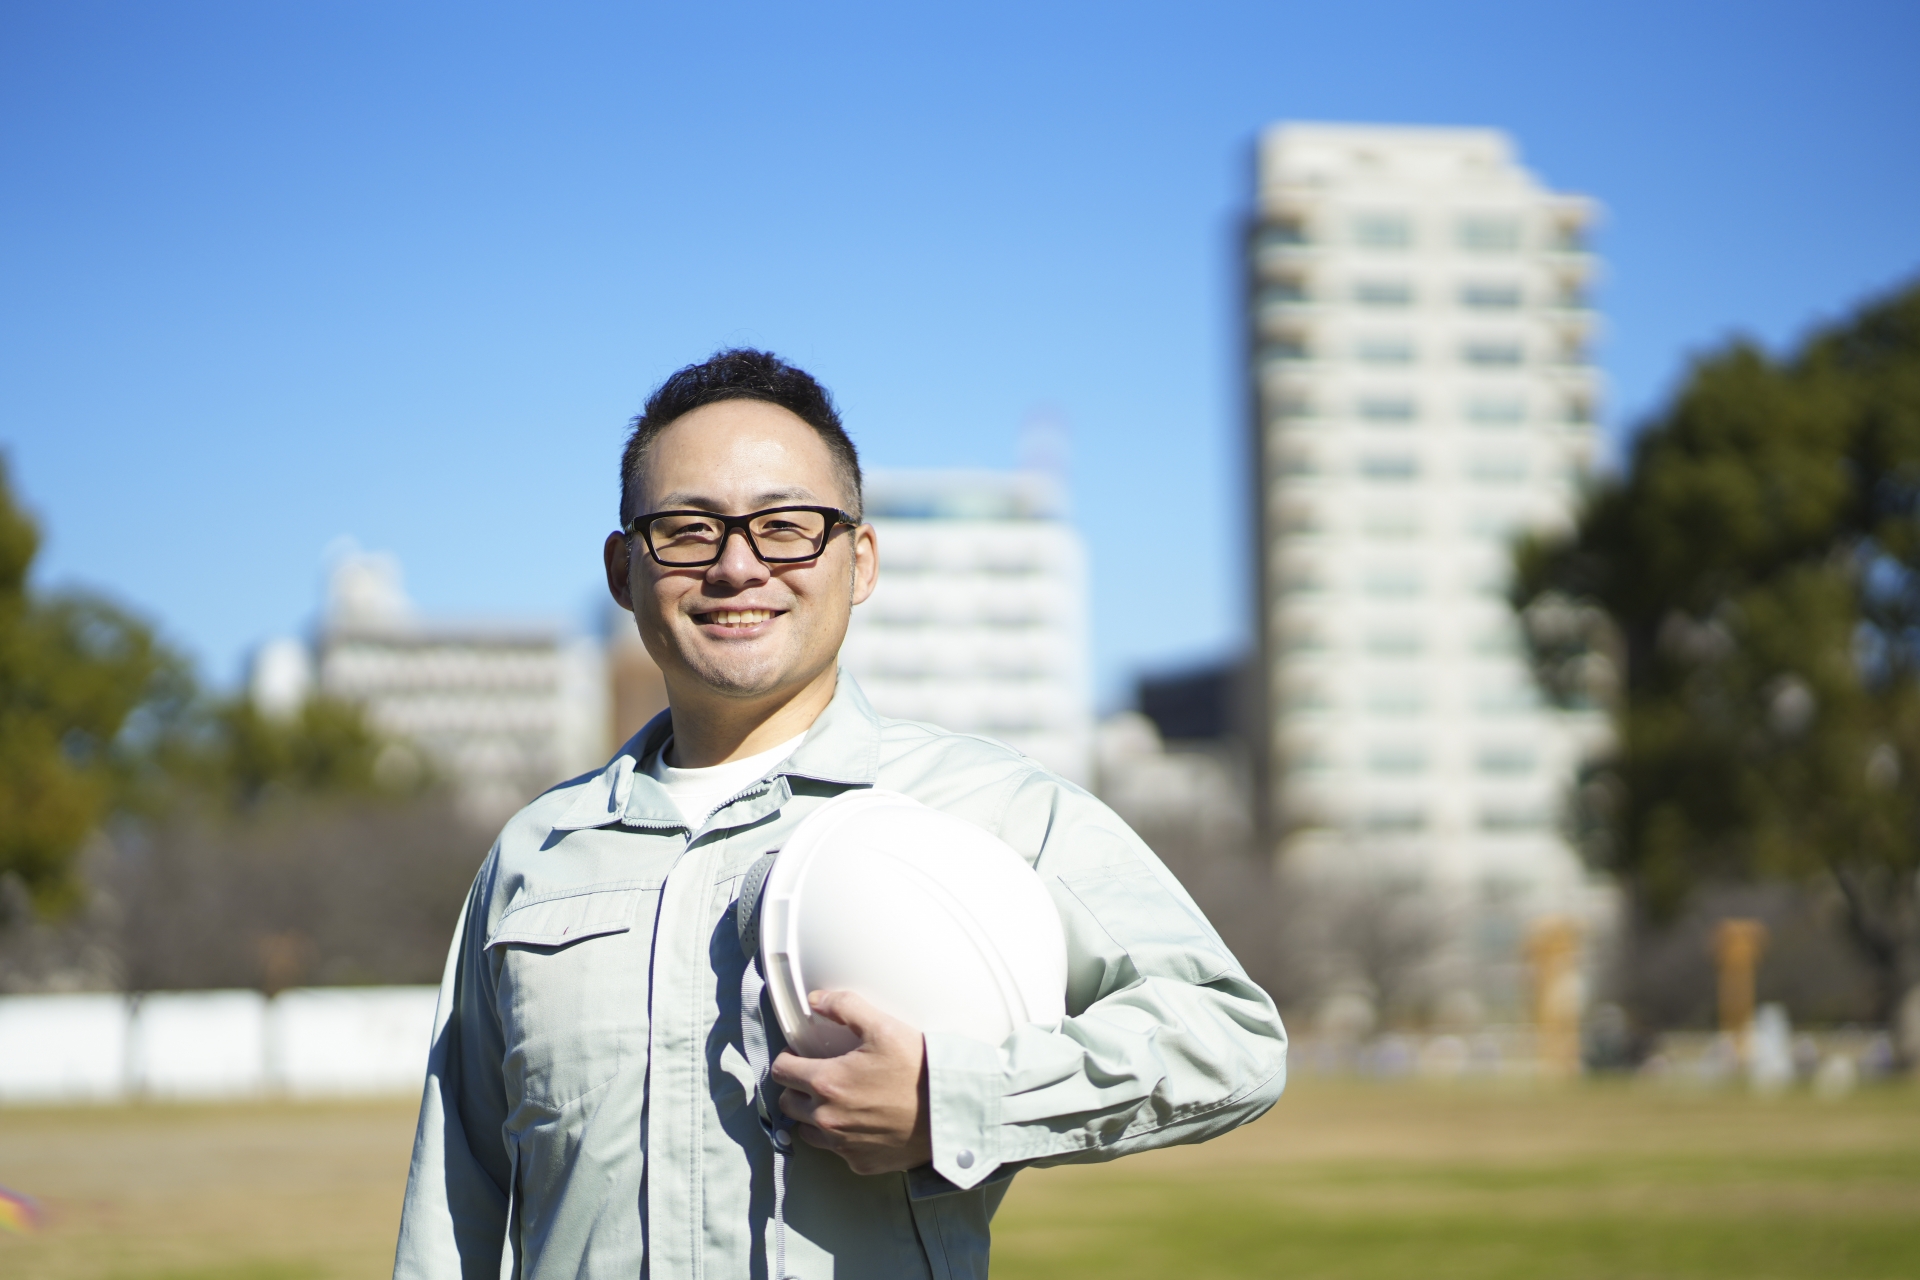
(882, 919)
(869, 1105)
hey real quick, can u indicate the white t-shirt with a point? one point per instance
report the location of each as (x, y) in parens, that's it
(698, 792)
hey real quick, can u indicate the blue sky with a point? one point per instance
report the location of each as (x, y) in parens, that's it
(275, 275)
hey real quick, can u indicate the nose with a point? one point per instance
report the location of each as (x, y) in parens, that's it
(738, 565)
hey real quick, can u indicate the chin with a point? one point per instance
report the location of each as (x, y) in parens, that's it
(739, 675)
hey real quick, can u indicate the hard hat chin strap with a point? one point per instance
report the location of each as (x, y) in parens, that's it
(756, 1043)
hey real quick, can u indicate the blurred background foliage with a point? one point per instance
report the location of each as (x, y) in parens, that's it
(74, 670)
(155, 836)
(1746, 597)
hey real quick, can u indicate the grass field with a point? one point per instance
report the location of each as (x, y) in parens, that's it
(1343, 1181)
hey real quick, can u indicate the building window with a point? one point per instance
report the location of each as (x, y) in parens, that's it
(1507, 819)
(1393, 522)
(1504, 760)
(1491, 523)
(1490, 297)
(1396, 758)
(1292, 404)
(1382, 231)
(1287, 347)
(1569, 237)
(1491, 582)
(1383, 293)
(1303, 640)
(1383, 351)
(1394, 819)
(1579, 411)
(1299, 520)
(1393, 581)
(1498, 468)
(1288, 289)
(1307, 697)
(1298, 462)
(1497, 642)
(1390, 466)
(1312, 758)
(1386, 409)
(1487, 354)
(1395, 700)
(1488, 234)
(1283, 232)
(1496, 411)
(1507, 699)
(1395, 644)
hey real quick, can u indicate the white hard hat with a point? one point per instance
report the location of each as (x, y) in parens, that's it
(929, 917)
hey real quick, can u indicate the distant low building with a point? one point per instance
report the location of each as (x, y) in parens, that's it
(979, 623)
(502, 709)
(1206, 703)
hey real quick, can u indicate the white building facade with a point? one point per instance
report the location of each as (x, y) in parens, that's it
(500, 709)
(1423, 391)
(979, 622)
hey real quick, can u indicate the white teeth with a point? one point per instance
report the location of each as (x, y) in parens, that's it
(739, 617)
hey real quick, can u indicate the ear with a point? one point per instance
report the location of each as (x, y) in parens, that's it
(866, 562)
(617, 551)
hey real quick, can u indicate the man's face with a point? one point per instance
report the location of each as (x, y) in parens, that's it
(740, 627)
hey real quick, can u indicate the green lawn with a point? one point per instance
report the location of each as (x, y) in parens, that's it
(1354, 1182)
(1345, 1181)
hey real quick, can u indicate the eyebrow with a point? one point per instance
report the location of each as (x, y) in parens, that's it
(760, 501)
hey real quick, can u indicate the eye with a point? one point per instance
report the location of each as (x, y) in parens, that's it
(686, 529)
(788, 528)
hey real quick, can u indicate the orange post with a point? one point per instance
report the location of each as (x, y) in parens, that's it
(1553, 949)
(1737, 946)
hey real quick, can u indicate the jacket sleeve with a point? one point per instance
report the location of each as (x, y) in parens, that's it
(454, 1219)
(1166, 1039)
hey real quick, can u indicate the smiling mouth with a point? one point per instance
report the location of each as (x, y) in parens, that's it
(736, 617)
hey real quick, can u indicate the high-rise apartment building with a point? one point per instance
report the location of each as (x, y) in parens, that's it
(979, 622)
(1423, 390)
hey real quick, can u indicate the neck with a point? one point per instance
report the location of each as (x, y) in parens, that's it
(710, 729)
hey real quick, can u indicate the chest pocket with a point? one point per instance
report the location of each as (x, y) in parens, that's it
(571, 973)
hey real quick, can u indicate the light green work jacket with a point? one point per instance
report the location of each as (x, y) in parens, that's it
(588, 1108)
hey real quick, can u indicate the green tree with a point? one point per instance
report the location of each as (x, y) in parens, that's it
(97, 716)
(1747, 594)
(326, 748)
(74, 670)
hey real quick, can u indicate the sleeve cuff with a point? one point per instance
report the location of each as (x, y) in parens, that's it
(963, 1104)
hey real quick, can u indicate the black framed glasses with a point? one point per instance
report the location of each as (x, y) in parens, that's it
(778, 535)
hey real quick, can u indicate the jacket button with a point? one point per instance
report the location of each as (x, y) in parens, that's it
(782, 1139)
(964, 1159)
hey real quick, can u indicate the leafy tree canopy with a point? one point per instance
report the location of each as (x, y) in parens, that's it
(1747, 595)
(97, 715)
(73, 670)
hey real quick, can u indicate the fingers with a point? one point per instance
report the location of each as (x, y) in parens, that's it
(795, 1072)
(851, 1011)
(801, 1106)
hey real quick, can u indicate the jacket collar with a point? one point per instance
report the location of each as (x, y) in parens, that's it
(841, 749)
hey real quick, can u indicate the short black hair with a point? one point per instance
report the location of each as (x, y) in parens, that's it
(739, 373)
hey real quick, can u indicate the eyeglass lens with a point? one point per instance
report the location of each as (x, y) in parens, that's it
(777, 536)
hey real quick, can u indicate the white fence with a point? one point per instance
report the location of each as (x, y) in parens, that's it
(314, 1042)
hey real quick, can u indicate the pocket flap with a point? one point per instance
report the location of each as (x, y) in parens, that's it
(556, 922)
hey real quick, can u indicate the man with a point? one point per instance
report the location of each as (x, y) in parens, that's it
(590, 1110)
